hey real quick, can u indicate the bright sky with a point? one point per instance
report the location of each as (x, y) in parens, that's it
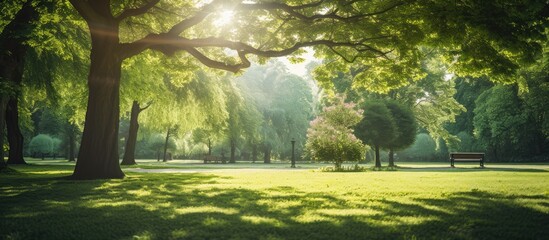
(225, 18)
(299, 69)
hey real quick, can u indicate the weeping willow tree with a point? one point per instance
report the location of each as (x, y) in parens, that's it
(284, 101)
(186, 104)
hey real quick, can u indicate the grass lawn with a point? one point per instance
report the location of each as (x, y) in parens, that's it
(255, 201)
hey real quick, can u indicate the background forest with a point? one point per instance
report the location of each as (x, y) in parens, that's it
(260, 111)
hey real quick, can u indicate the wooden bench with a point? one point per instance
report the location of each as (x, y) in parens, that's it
(214, 159)
(467, 157)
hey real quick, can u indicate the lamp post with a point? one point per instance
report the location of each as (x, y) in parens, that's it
(293, 156)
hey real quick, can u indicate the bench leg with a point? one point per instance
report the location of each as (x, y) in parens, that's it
(482, 162)
(451, 162)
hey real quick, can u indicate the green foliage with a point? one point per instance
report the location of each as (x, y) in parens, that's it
(42, 144)
(505, 125)
(423, 149)
(280, 103)
(330, 137)
(467, 143)
(57, 147)
(377, 127)
(353, 168)
(405, 123)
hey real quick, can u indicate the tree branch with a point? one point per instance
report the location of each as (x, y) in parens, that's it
(145, 108)
(136, 11)
(245, 63)
(171, 41)
(332, 15)
(85, 10)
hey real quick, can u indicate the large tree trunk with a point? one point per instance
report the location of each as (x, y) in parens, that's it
(233, 151)
(98, 155)
(267, 156)
(391, 157)
(378, 161)
(15, 138)
(129, 154)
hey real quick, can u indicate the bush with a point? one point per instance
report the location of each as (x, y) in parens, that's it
(330, 136)
(354, 168)
(41, 145)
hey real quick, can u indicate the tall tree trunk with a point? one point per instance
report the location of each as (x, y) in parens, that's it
(131, 141)
(267, 156)
(3, 103)
(15, 138)
(12, 58)
(165, 159)
(98, 155)
(233, 151)
(378, 161)
(391, 157)
(254, 153)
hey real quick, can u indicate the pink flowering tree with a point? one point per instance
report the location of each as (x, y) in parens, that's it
(330, 136)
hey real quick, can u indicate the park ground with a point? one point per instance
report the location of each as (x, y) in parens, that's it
(183, 200)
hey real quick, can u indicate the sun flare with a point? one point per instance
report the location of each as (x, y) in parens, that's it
(224, 18)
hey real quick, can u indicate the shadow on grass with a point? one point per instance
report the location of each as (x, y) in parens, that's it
(197, 206)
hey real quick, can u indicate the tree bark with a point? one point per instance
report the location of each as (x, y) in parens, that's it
(378, 161)
(129, 153)
(165, 159)
(233, 151)
(267, 156)
(15, 138)
(391, 158)
(98, 155)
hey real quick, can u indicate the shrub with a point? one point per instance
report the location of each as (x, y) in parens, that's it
(40, 145)
(330, 136)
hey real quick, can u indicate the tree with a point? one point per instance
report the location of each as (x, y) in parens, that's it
(331, 138)
(506, 127)
(327, 23)
(13, 49)
(377, 128)
(98, 154)
(286, 103)
(129, 150)
(41, 145)
(406, 128)
(170, 133)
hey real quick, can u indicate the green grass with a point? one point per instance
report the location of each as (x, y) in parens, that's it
(254, 201)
